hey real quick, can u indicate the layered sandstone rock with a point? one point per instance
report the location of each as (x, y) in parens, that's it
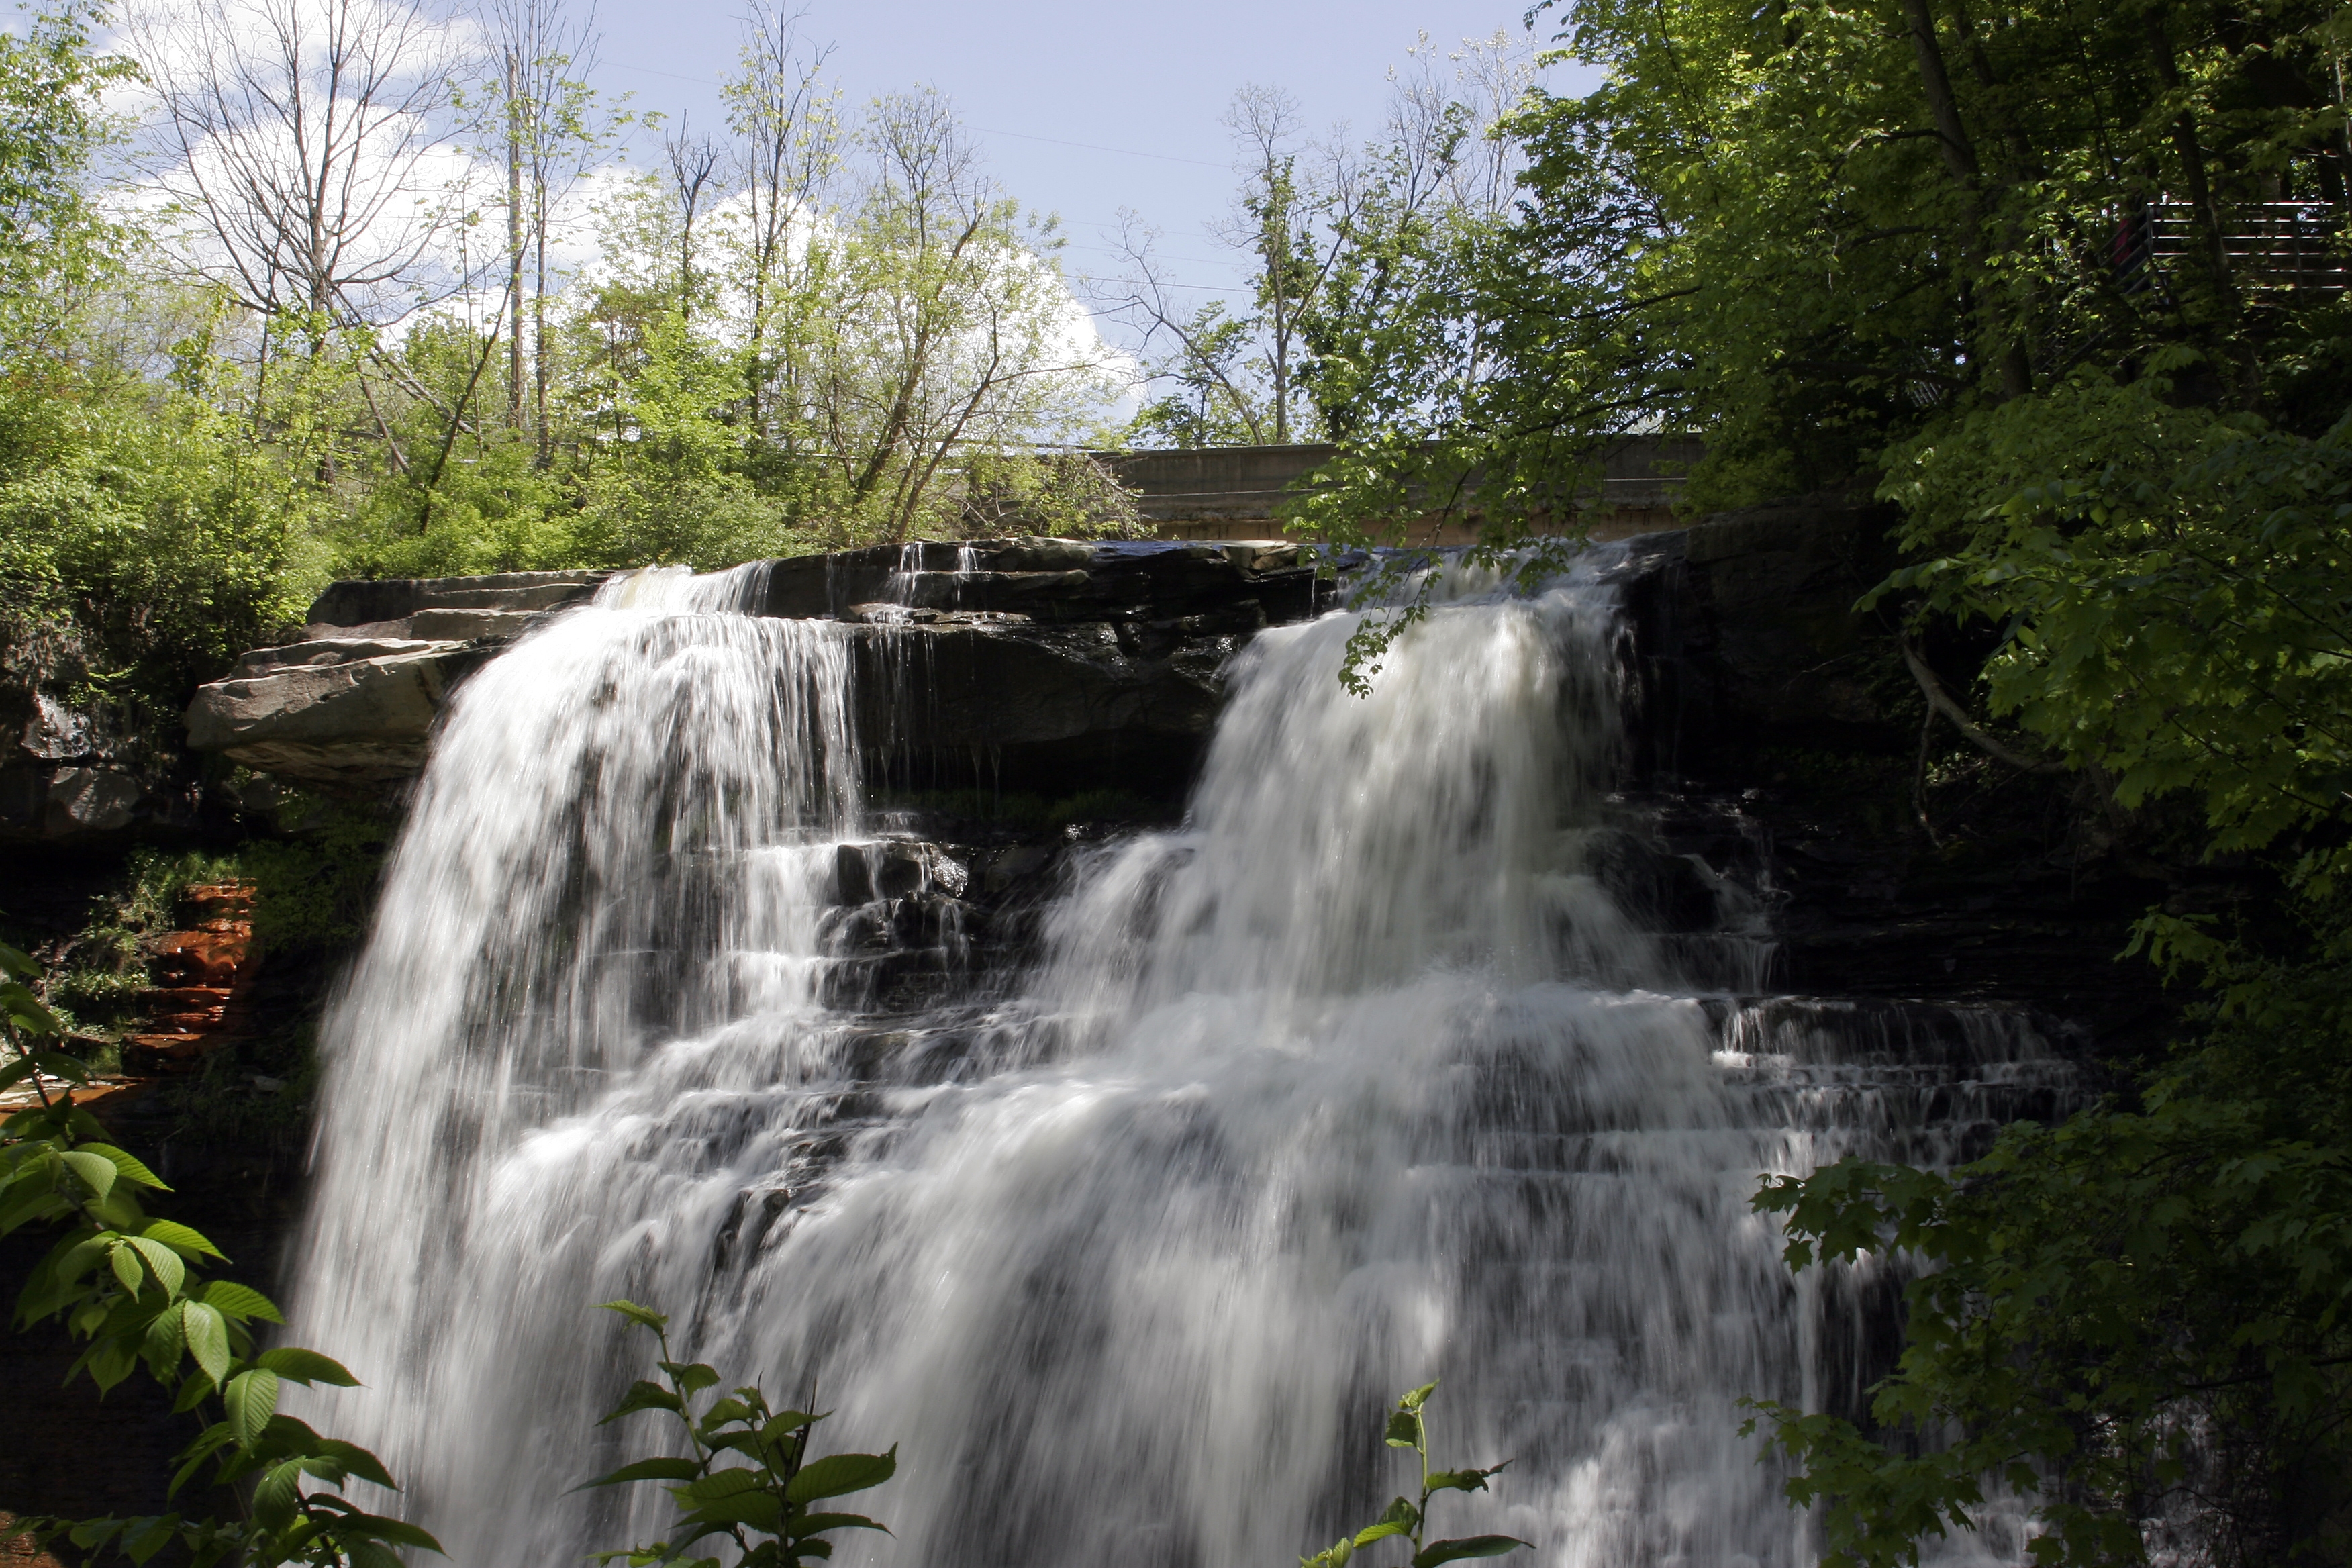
(353, 701)
(1028, 663)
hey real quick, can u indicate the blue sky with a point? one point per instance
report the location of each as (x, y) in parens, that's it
(1084, 108)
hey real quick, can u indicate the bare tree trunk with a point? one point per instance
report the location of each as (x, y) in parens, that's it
(514, 239)
(539, 323)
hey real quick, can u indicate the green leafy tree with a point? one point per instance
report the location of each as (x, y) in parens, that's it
(2064, 280)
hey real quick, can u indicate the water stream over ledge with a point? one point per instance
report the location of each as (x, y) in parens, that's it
(1370, 1073)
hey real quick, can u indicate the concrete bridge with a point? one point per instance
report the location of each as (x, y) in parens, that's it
(1231, 493)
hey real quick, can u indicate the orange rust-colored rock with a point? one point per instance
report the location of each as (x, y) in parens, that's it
(16, 1551)
(200, 1006)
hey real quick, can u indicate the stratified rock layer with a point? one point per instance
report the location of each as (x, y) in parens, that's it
(1030, 664)
(354, 702)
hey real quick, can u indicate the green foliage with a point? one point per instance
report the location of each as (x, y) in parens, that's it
(1813, 234)
(767, 1505)
(133, 1287)
(2177, 586)
(314, 887)
(1407, 1519)
(2137, 1317)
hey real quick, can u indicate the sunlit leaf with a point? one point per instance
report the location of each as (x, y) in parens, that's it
(207, 1335)
(655, 1320)
(250, 1399)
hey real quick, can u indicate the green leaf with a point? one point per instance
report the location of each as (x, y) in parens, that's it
(646, 1471)
(723, 1411)
(836, 1475)
(1466, 1481)
(55, 1064)
(1373, 1532)
(643, 1396)
(376, 1526)
(164, 1263)
(363, 1554)
(691, 1378)
(1401, 1513)
(21, 965)
(760, 1509)
(250, 1399)
(181, 1238)
(1403, 1430)
(279, 1494)
(125, 1263)
(1438, 1552)
(717, 1484)
(238, 1302)
(95, 1171)
(126, 1165)
(167, 1337)
(25, 1010)
(296, 1364)
(208, 1333)
(657, 1322)
(1418, 1397)
(810, 1524)
(357, 1461)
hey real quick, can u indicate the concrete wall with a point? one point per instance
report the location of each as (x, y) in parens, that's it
(1231, 493)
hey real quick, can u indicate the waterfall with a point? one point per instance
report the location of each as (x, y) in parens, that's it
(1370, 1073)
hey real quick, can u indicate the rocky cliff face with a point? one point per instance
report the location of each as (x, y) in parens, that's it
(1775, 735)
(1010, 664)
(1776, 728)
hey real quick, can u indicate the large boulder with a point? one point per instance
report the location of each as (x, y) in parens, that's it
(353, 703)
(333, 711)
(73, 765)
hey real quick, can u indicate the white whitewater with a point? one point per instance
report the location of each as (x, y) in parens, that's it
(1360, 1078)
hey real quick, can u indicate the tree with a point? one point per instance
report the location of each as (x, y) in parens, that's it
(549, 131)
(1343, 242)
(948, 335)
(788, 132)
(301, 139)
(2039, 276)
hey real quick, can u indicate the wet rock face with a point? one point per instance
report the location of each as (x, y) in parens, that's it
(1748, 637)
(1045, 664)
(1774, 730)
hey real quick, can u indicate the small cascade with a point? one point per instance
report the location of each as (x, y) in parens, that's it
(1413, 1053)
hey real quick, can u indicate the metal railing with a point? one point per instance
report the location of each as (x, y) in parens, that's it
(2272, 247)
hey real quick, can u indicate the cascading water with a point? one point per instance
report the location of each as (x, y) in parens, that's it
(1363, 1077)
